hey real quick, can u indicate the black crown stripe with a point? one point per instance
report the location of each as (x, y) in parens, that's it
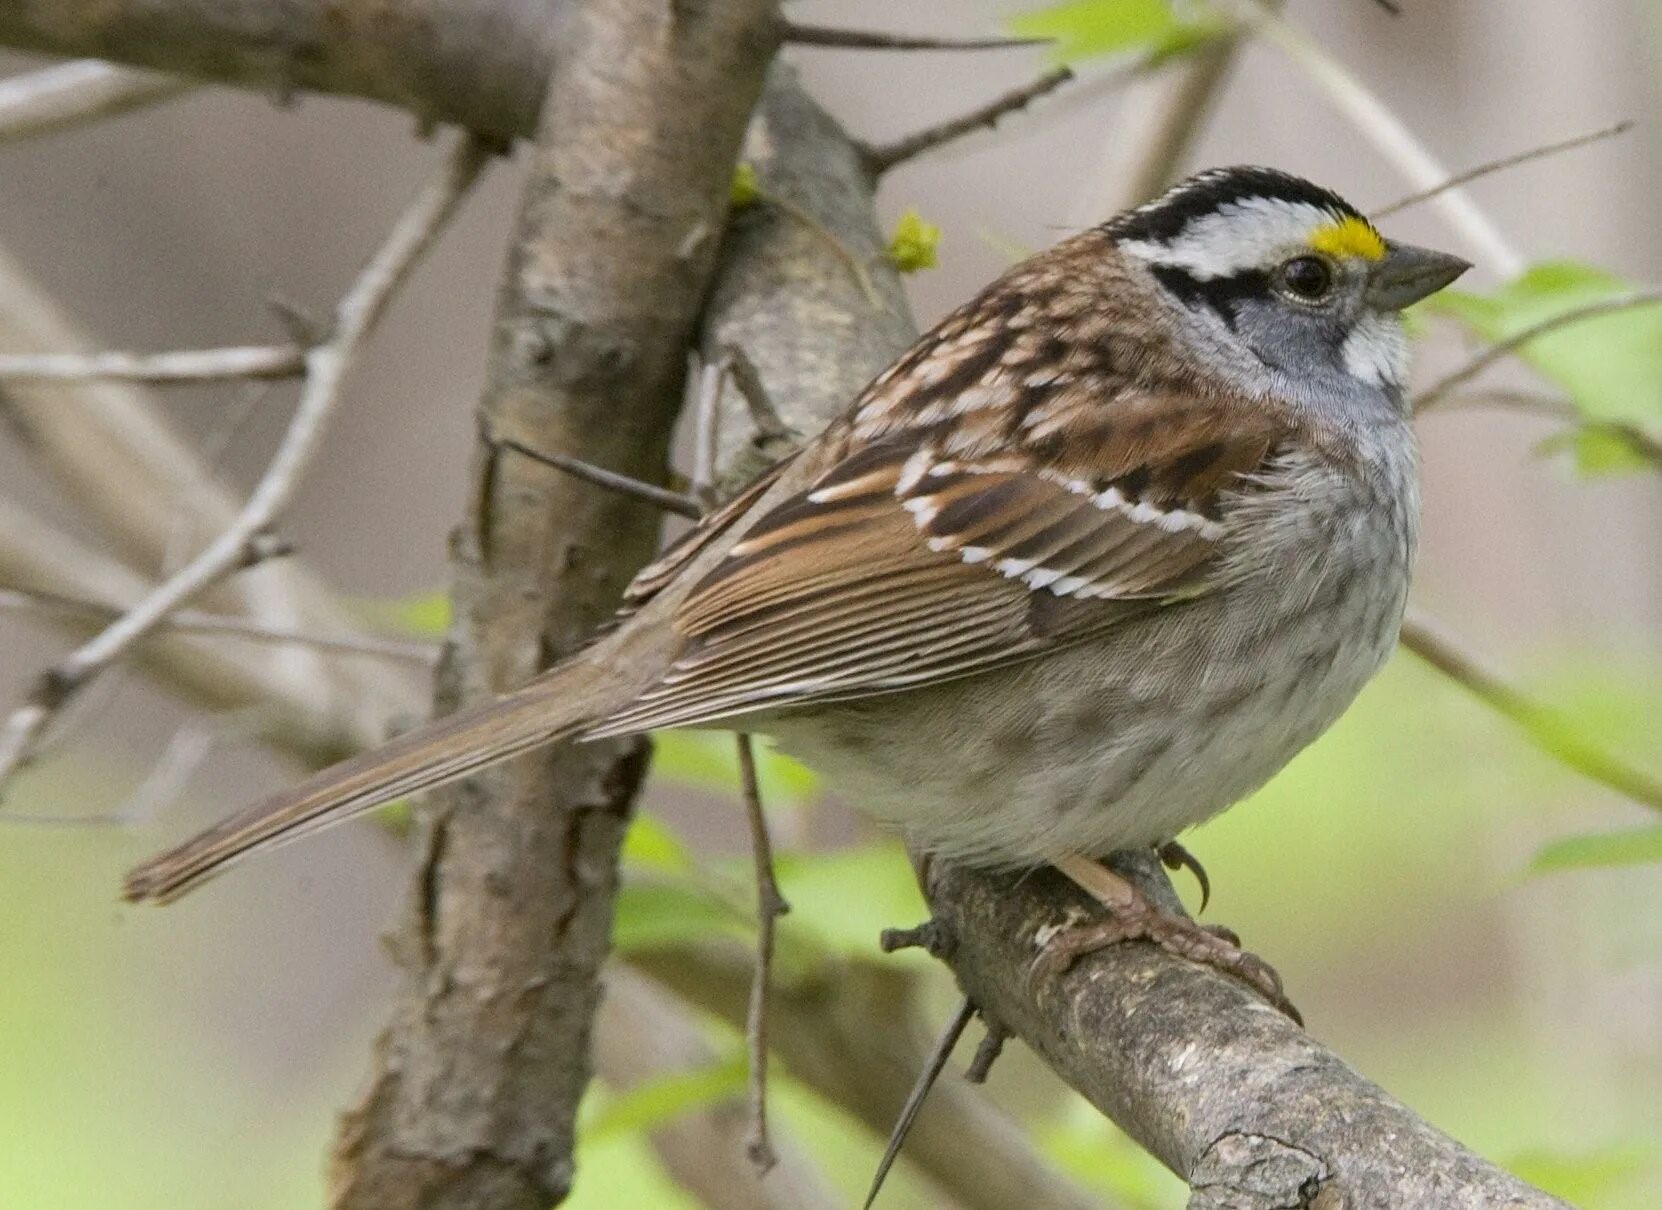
(1204, 193)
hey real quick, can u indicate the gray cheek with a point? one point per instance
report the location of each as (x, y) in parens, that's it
(1294, 342)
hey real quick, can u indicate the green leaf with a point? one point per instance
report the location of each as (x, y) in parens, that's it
(913, 245)
(1597, 451)
(1083, 29)
(1611, 365)
(849, 896)
(649, 844)
(654, 913)
(1634, 847)
(746, 189)
(648, 1106)
(709, 761)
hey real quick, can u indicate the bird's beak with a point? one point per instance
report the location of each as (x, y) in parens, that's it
(1408, 274)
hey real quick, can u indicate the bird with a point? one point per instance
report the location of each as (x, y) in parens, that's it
(1087, 564)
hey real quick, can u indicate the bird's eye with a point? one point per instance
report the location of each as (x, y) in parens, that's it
(1309, 278)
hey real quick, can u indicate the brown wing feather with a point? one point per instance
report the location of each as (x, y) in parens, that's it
(1028, 475)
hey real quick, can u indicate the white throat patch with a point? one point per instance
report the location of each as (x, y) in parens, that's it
(1376, 350)
(1244, 234)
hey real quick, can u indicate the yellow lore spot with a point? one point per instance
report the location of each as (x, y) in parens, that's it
(1349, 236)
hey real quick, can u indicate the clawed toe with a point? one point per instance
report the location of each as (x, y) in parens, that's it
(1133, 918)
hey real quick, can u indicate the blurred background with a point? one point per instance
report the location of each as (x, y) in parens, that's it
(196, 1057)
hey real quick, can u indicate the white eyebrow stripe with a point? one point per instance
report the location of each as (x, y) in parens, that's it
(1244, 234)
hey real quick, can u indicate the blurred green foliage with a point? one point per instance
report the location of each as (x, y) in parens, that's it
(1084, 29)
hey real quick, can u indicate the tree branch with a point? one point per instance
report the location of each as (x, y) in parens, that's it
(880, 159)
(1223, 1089)
(36, 557)
(486, 1054)
(115, 453)
(70, 94)
(234, 548)
(254, 362)
(1168, 1074)
(644, 1032)
(870, 39)
(1490, 354)
(1546, 728)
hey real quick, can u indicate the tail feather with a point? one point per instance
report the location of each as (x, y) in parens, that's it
(428, 757)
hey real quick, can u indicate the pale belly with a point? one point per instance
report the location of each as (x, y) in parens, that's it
(1122, 742)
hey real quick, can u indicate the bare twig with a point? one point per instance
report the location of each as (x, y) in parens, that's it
(1443, 387)
(930, 1072)
(1545, 727)
(712, 382)
(868, 39)
(1500, 165)
(660, 497)
(69, 94)
(643, 1031)
(881, 158)
(192, 621)
(1387, 132)
(1155, 124)
(770, 905)
(189, 365)
(326, 367)
(764, 416)
(165, 781)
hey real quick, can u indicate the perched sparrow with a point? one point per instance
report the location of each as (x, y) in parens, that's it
(1090, 562)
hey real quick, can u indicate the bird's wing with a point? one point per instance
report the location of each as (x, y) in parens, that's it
(908, 563)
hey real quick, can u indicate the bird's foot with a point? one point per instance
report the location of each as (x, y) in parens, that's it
(1132, 917)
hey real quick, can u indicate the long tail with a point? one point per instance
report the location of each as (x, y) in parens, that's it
(545, 710)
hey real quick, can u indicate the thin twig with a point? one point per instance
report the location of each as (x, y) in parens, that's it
(880, 159)
(770, 905)
(1501, 164)
(914, 1099)
(1487, 357)
(192, 621)
(70, 94)
(166, 780)
(326, 367)
(1545, 727)
(1388, 133)
(769, 424)
(186, 365)
(712, 381)
(670, 501)
(871, 39)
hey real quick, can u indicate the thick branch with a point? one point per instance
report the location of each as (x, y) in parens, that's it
(1222, 1088)
(487, 1052)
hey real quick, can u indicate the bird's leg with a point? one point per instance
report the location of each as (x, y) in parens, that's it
(1133, 918)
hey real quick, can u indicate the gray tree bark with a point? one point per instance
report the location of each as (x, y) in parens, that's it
(486, 1055)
